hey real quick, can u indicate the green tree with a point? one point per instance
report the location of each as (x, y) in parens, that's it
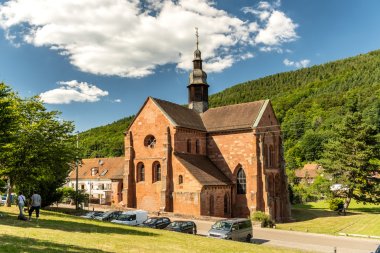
(9, 125)
(40, 156)
(352, 157)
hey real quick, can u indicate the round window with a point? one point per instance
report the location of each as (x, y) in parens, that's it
(150, 141)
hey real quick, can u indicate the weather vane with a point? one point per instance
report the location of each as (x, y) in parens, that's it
(196, 35)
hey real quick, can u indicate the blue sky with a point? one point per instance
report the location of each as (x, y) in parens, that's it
(96, 61)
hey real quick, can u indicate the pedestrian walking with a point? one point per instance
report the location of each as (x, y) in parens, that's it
(35, 205)
(21, 200)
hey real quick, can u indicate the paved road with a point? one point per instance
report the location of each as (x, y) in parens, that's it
(304, 241)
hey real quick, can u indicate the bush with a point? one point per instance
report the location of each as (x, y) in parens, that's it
(335, 204)
(264, 218)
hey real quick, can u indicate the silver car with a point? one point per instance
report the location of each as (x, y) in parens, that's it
(238, 229)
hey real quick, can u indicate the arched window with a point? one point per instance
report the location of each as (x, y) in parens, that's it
(211, 205)
(180, 179)
(271, 156)
(188, 146)
(241, 182)
(156, 172)
(226, 204)
(150, 141)
(197, 146)
(140, 172)
(266, 156)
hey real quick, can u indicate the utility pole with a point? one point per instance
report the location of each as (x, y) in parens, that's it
(76, 173)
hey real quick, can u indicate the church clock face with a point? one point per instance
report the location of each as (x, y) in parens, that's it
(150, 141)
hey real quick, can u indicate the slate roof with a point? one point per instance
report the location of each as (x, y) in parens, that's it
(204, 171)
(114, 167)
(232, 117)
(180, 115)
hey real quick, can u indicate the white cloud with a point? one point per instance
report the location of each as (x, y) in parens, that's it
(298, 64)
(131, 38)
(271, 49)
(118, 100)
(278, 30)
(73, 91)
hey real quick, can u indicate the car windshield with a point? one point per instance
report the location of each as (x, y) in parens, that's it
(222, 225)
(106, 214)
(96, 214)
(176, 224)
(89, 214)
(150, 221)
(126, 217)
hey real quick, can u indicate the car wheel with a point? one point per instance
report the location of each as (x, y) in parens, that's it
(248, 238)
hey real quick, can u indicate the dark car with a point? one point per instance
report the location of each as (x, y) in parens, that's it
(156, 222)
(187, 227)
(108, 216)
(378, 250)
(92, 215)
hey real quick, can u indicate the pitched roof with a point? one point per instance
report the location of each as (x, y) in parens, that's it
(180, 115)
(233, 117)
(204, 171)
(310, 170)
(108, 168)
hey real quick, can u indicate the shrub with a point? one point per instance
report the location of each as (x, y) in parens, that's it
(335, 204)
(262, 217)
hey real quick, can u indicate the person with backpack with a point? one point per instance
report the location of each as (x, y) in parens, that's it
(21, 203)
(35, 205)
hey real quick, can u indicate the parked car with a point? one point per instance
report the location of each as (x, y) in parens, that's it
(156, 222)
(132, 218)
(237, 229)
(108, 216)
(3, 200)
(92, 215)
(187, 227)
(378, 249)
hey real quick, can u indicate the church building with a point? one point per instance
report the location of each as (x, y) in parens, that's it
(224, 162)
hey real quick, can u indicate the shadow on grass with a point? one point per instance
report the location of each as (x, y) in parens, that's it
(22, 244)
(301, 214)
(83, 226)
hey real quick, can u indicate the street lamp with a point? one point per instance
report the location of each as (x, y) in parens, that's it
(76, 173)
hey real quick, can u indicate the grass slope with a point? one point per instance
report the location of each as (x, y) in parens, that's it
(56, 232)
(317, 218)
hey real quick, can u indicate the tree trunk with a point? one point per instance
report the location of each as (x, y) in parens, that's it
(9, 192)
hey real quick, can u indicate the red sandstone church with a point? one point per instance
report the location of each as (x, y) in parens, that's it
(224, 161)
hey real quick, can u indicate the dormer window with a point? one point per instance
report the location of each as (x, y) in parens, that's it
(150, 141)
(94, 171)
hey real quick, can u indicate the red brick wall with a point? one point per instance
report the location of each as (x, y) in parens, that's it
(150, 121)
(230, 151)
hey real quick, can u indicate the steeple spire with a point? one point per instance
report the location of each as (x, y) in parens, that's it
(197, 36)
(198, 87)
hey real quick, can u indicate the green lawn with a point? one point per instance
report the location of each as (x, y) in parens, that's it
(316, 217)
(57, 232)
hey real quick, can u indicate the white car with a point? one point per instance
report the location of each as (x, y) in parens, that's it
(132, 218)
(3, 200)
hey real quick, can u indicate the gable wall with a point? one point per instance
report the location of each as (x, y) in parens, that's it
(149, 121)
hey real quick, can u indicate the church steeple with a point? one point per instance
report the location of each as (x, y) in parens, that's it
(198, 87)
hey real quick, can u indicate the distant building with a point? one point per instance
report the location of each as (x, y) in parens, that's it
(308, 173)
(224, 161)
(101, 178)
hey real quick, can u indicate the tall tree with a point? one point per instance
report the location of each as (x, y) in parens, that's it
(39, 157)
(9, 122)
(352, 158)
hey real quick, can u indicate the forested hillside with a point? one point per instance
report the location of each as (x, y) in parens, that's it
(105, 141)
(307, 103)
